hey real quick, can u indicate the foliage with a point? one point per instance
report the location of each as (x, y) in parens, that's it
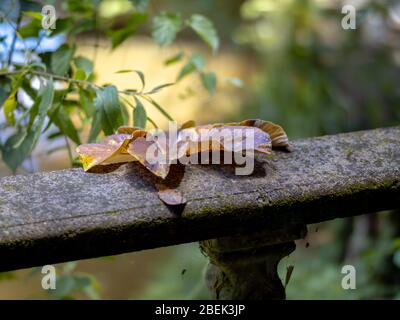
(63, 96)
(70, 282)
(317, 78)
(182, 277)
(317, 273)
(53, 93)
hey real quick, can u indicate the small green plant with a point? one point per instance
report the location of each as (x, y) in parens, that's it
(61, 84)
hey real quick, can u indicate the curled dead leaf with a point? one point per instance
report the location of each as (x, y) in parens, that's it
(113, 149)
(277, 134)
(172, 197)
(156, 154)
(188, 124)
(148, 153)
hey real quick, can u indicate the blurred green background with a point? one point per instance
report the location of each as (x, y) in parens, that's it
(298, 67)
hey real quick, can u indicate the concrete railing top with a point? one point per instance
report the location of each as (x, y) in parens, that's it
(67, 215)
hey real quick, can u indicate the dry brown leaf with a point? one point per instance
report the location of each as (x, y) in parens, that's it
(113, 149)
(129, 144)
(133, 131)
(277, 134)
(212, 138)
(139, 149)
(188, 124)
(172, 197)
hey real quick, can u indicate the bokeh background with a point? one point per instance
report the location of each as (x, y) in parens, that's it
(298, 67)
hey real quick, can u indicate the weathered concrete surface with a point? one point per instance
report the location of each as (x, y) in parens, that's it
(68, 215)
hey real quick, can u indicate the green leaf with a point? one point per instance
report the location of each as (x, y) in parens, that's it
(161, 109)
(64, 287)
(9, 106)
(205, 29)
(79, 74)
(55, 135)
(236, 82)
(140, 5)
(125, 112)
(61, 119)
(139, 115)
(95, 128)
(119, 36)
(69, 267)
(46, 96)
(39, 110)
(89, 285)
(196, 62)
(38, 65)
(13, 157)
(86, 97)
(63, 25)
(31, 29)
(33, 14)
(84, 64)
(107, 105)
(209, 81)
(187, 69)
(82, 282)
(141, 76)
(11, 102)
(174, 59)
(21, 144)
(124, 71)
(5, 90)
(34, 110)
(139, 73)
(160, 87)
(60, 60)
(80, 7)
(165, 27)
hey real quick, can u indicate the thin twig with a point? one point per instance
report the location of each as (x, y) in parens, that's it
(71, 159)
(14, 40)
(48, 75)
(66, 79)
(70, 80)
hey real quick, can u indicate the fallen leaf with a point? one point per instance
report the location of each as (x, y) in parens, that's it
(221, 137)
(136, 144)
(134, 131)
(148, 153)
(277, 134)
(188, 124)
(113, 149)
(172, 197)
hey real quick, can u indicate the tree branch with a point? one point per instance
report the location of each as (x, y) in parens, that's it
(14, 40)
(66, 79)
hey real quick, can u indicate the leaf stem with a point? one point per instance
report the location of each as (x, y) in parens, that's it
(47, 75)
(66, 79)
(71, 159)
